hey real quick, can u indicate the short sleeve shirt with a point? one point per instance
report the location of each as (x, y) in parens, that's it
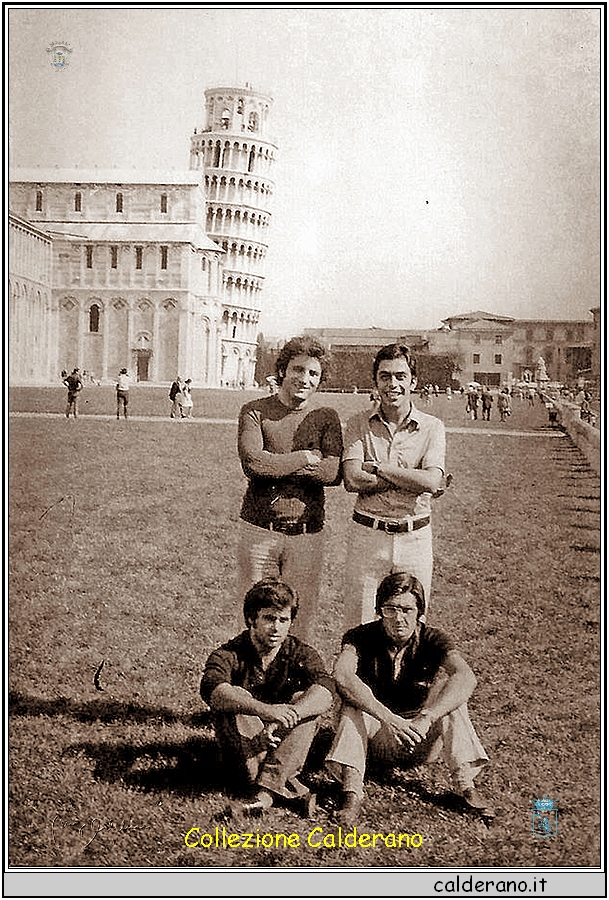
(418, 443)
(296, 667)
(422, 658)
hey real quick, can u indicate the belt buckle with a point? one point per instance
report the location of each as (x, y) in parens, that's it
(392, 527)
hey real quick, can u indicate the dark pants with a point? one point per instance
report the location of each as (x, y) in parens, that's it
(247, 765)
(122, 397)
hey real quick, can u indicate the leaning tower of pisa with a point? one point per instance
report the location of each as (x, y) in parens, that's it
(237, 157)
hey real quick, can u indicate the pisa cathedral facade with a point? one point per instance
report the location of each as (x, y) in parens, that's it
(161, 274)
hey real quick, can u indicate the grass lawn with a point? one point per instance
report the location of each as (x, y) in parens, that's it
(122, 551)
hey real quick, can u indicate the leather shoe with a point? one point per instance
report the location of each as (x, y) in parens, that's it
(307, 805)
(257, 805)
(476, 802)
(350, 808)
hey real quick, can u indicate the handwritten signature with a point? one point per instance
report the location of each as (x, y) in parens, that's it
(89, 829)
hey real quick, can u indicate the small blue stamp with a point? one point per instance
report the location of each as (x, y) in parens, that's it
(544, 817)
(59, 55)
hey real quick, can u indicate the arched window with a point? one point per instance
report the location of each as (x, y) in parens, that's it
(38, 201)
(77, 202)
(163, 203)
(250, 162)
(94, 318)
(252, 124)
(119, 202)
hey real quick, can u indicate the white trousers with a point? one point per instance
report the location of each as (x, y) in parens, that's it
(295, 559)
(452, 738)
(373, 554)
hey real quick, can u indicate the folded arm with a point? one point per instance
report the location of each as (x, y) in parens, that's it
(374, 478)
(234, 699)
(255, 460)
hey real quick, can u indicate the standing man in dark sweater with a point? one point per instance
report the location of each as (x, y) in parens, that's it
(289, 451)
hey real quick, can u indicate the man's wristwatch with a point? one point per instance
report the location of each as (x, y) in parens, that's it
(374, 466)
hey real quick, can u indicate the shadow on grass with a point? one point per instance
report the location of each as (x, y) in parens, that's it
(188, 768)
(101, 710)
(415, 787)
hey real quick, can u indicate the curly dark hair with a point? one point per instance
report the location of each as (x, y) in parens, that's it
(302, 345)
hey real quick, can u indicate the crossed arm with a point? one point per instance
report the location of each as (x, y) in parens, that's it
(234, 699)
(307, 463)
(373, 478)
(458, 684)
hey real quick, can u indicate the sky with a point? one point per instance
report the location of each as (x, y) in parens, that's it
(431, 160)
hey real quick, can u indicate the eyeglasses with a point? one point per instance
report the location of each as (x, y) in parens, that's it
(392, 612)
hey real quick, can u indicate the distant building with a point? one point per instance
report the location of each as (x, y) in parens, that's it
(136, 280)
(491, 349)
(32, 320)
(133, 278)
(498, 349)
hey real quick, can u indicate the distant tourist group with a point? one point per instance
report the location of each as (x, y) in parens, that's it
(180, 396)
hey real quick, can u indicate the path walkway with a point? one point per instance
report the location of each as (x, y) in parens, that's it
(450, 429)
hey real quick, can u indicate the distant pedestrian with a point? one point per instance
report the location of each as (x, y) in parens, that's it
(503, 405)
(122, 393)
(585, 410)
(174, 395)
(186, 403)
(449, 392)
(487, 404)
(73, 382)
(472, 403)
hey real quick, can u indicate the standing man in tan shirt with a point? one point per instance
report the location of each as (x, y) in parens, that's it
(394, 460)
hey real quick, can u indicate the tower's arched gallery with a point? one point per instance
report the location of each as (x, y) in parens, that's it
(161, 274)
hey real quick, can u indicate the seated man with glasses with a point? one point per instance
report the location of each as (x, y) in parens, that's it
(405, 688)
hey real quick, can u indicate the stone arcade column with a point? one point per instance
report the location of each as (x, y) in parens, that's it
(156, 337)
(105, 340)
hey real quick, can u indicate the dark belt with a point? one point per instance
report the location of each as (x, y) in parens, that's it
(390, 527)
(290, 528)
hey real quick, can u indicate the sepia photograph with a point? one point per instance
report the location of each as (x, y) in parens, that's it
(304, 353)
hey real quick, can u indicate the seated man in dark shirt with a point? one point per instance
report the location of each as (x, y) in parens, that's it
(267, 689)
(405, 688)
